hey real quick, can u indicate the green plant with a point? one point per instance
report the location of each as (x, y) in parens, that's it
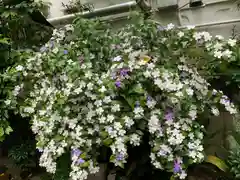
(75, 6)
(23, 154)
(91, 87)
(18, 26)
(234, 162)
(14, 38)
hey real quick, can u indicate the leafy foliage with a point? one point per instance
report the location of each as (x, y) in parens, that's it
(234, 162)
(18, 31)
(134, 89)
(23, 154)
(17, 25)
(75, 6)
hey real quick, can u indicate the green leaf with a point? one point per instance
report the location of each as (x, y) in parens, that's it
(217, 162)
(85, 164)
(83, 155)
(107, 141)
(8, 130)
(58, 137)
(112, 158)
(137, 89)
(1, 131)
(130, 101)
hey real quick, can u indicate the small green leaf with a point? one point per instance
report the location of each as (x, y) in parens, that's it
(85, 164)
(112, 158)
(1, 131)
(107, 141)
(8, 130)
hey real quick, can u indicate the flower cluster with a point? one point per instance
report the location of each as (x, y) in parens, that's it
(76, 107)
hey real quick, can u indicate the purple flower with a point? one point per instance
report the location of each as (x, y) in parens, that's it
(149, 98)
(76, 152)
(124, 72)
(114, 75)
(226, 100)
(110, 129)
(137, 104)
(120, 157)
(51, 44)
(80, 161)
(177, 166)
(118, 84)
(169, 116)
(160, 28)
(43, 49)
(65, 52)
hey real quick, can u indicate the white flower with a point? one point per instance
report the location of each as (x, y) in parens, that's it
(16, 90)
(156, 73)
(98, 103)
(29, 110)
(151, 103)
(19, 68)
(189, 27)
(218, 46)
(116, 108)
(138, 111)
(232, 42)
(150, 66)
(147, 74)
(103, 89)
(193, 114)
(227, 53)
(215, 111)
(107, 99)
(88, 74)
(183, 175)
(7, 102)
(128, 122)
(78, 90)
(218, 54)
(135, 139)
(170, 26)
(117, 126)
(153, 124)
(180, 34)
(117, 59)
(219, 37)
(102, 119)
(179, 94)
(90, 86)
(197, 36)
(189, 91)
(99, 110)
(110, 118)
(207, 36)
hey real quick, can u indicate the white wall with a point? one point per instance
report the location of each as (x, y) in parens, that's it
(213, 11)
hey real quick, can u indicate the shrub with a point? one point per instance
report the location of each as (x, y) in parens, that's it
(93, 87)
